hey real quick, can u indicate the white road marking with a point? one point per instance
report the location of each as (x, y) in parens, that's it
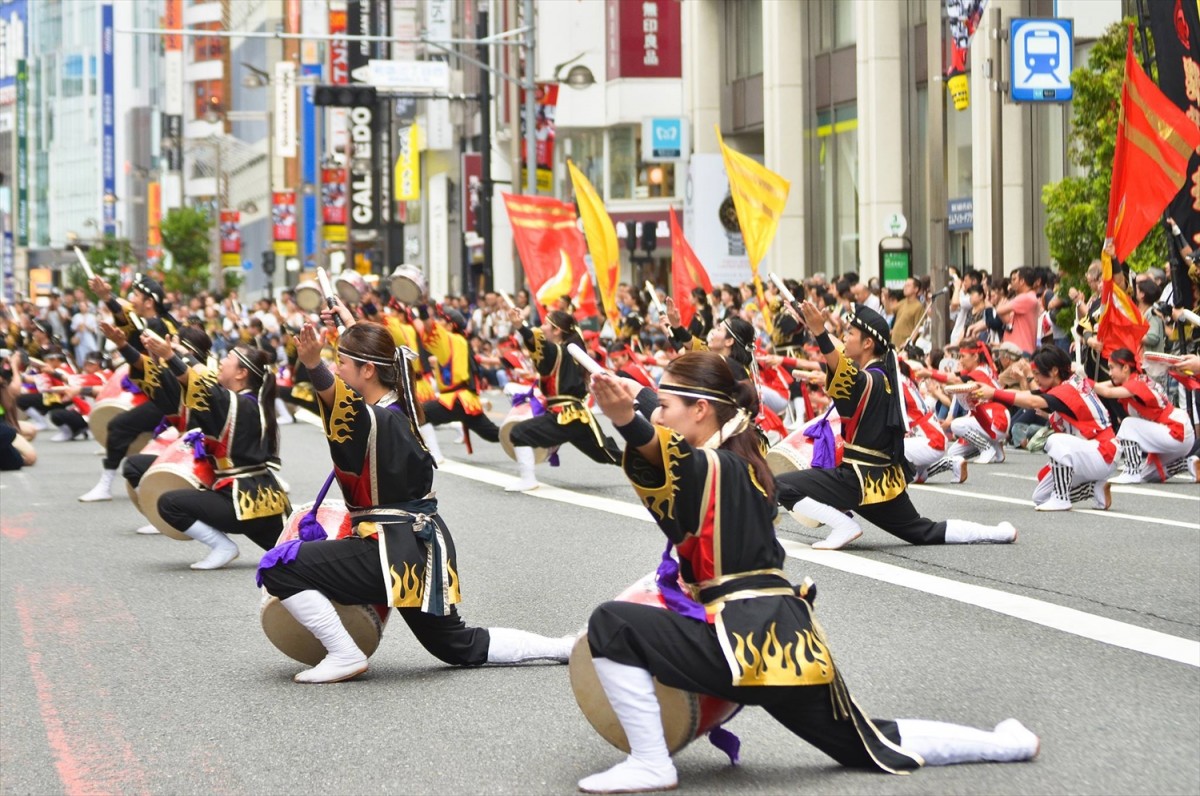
(1112, 515)
(1122, 488)
(1068, 620)
(1039, 612)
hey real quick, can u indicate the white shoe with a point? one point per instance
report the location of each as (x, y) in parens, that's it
(1194, 468)
(632, 776)
(838, 539)
(222, 549)
(998, 457)
(316, 613)
(1102, 496)
(1024, 744)
(1126, 478)
(36, 419)
(102, 490)
(64, 434)
(1054, 504)
(517, 646)
(147, 530)
(987, 455)
(526, 479)
(331, 670)
(967, 532)
(960, 470)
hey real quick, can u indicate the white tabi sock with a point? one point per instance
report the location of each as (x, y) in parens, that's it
(845, 529)
(516, 646)
(630, 691)
(344, 660)
(944, 744)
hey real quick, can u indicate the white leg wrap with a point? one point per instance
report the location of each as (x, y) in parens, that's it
(345, 660)
(845, 529)
(943, 744)
(516, 646)
(630, 691)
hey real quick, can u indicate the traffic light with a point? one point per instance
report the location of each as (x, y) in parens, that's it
(631, 236)
(352, 95)
(268, 262)
(649, 236)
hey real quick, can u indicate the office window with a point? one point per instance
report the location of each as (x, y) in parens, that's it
(743, 39)
(629, 177)
(834, 226)
(585, 148)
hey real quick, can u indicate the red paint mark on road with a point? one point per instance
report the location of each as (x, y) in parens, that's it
(15, 528)
(99, 761)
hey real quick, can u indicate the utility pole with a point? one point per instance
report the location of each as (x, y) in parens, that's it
(530, 101)
(995, 74)
(485, 147)
(935, 163)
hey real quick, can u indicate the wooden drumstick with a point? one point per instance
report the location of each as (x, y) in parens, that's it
(581, 356)
(87, 268)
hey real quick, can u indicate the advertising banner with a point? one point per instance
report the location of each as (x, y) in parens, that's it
(154, 220)
(231, 239)
(333, 203)
(22, 154)
(407, 177)
(108, 163)
(284, 83)
(643, 38)
(546, 98)
(471, 190)
(283, 222)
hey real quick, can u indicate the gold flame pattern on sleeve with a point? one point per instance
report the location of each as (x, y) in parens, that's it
(339, 427)
(841, 381)
(659, 498)
(199, 389)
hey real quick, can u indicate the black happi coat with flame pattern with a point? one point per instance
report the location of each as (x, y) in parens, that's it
(711, 506)
(861, 398)
(709, 503)
(386, 477)
(235, 439)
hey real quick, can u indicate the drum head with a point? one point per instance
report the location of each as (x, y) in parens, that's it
(294, 640)
(407, 284)
(680, 709)
(98, 418)
(349, 289)
(133, 495)
(155, 484)
(539, 454)
(308, 297)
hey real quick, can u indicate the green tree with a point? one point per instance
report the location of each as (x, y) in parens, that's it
(1077, 207)
(185, 234)
(105, 256)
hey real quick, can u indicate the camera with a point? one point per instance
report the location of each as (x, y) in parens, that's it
(1162, 308)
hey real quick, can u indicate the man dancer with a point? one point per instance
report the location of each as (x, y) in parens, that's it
(1083, 446)
(863, 383)
(147, 310)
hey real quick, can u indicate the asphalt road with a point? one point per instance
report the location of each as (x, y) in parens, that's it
(125, 672)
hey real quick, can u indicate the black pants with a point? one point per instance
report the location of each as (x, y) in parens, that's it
(135, 466)
(182, 507)
(686, 654)
(69, 418)
(10, 457)
(308, 403)
(481, 424)
(347, 571)
(33, 400)
(544, 431)
(839, 488)
(125, 428)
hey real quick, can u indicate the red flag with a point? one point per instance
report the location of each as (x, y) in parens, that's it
(584, 298)
(1121, 324)
(686, 272)
(550, 245)
(1154, 142)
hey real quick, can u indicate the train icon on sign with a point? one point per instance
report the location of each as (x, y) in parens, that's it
(1041, 58)
(1041, 52)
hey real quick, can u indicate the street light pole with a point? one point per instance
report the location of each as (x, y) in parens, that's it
(530, 101)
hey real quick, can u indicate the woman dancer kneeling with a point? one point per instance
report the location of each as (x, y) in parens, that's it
(701, 473)
(234, 409)
(401, 553)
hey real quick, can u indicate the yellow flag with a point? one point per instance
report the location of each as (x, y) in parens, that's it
(601, 241)
(759, 195)
(406, 176)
